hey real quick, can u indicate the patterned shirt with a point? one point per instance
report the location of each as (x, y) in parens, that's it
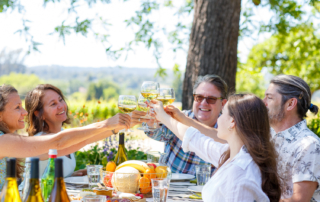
(178, 160)
(3, 169)
(299, 157)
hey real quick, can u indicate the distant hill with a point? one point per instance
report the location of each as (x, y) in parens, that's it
(129, 80)
(118, 74)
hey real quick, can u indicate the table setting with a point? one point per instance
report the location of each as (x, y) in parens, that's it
(180, 187)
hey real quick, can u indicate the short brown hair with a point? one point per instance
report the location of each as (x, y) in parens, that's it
(214, 80)
(33, 103)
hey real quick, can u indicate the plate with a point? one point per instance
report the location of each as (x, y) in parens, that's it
(197, 189)
(77, 180)
(181, 176)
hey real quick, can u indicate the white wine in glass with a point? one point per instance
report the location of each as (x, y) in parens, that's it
(166, 96)
(150, 90)
(127, 104)
(143, 107)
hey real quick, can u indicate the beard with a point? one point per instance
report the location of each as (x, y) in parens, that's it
(276, 115)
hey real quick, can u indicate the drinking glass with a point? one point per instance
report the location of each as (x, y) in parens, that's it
(94, 198)
(127, 104)
(160, 188)
(203, 173)
(150, 90)
(93, 172)
(166, 96)
(143, 107)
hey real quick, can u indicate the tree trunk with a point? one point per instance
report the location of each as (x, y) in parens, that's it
(213, 44)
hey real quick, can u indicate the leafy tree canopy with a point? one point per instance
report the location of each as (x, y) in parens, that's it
(296, 53)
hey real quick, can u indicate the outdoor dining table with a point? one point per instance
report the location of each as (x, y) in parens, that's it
(174, 195)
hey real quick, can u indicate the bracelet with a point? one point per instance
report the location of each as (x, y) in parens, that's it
(114, 132)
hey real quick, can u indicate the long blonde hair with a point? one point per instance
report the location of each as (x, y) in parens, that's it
(5, 91)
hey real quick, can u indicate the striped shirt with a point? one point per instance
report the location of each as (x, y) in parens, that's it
(178, 160)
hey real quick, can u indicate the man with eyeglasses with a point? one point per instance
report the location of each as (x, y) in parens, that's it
(210, 95)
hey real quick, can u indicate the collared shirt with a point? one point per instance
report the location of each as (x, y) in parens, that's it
(299, 157)
(238, 180)
(178, 160)
(3, 168)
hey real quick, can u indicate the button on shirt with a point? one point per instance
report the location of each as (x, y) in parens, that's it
(299, 157)
(236, 181)
(178, 160)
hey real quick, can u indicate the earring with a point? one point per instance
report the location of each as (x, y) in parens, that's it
(229, 128)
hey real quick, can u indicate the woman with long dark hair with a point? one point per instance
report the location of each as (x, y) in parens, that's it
(246, 166)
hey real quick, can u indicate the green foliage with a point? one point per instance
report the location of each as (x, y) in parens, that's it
(314, 125)
(249, 81)
(297, 53)
(101, 155)
(86, 112)
(103, 89)
(22, 82)
(93, 156)
(177, 83)
(136, 154)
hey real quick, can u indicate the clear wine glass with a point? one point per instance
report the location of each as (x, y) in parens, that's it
(166, 96)
(150, 90)
(127, 104)
(143, 107)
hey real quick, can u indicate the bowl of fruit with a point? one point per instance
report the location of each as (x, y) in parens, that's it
(133, 176)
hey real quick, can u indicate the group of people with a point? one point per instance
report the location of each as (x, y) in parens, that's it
(262, 150)
(259, 150)
(46, 112)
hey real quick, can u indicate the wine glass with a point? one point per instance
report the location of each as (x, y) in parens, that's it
(143, 107)
(166, 96)
(127, 104)
(150, 90)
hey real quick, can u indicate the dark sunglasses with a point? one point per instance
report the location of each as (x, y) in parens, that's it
(209, 99)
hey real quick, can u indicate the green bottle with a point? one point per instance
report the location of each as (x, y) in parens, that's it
(47, 179)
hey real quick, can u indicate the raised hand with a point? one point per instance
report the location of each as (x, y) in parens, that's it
(158, 111)
(137, 117)
(118, 121)
(175, 113)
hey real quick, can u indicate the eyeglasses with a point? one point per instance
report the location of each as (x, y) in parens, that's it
(209, 99)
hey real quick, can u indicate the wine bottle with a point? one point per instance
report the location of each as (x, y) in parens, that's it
(121, 155)
(47, 178)
(34, 192)
(59, 192)
(10, 192)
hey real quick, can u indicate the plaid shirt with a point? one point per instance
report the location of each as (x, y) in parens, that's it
(178, 160)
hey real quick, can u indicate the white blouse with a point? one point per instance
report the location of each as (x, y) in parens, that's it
(237, 181)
